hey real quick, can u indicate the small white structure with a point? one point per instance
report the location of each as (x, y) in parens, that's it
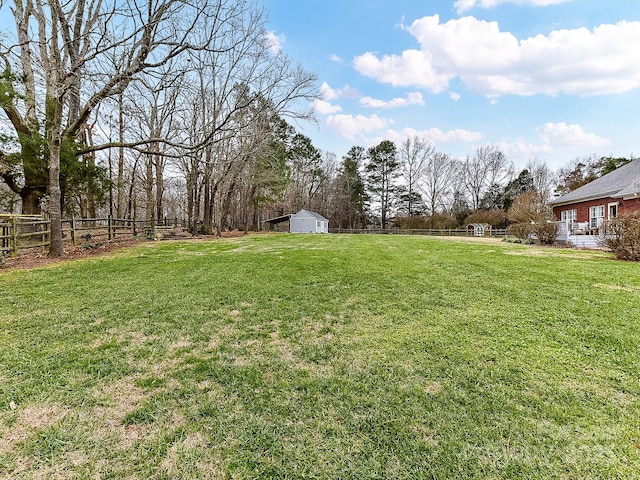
(479, 229)
(308, 222)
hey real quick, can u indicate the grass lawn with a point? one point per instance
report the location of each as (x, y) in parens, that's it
(322, 356)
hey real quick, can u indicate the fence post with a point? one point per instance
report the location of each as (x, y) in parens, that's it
(109, 227)
(13, 241)
(73, 231)
(44, 228)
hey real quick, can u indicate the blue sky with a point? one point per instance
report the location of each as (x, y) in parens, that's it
(545, 79)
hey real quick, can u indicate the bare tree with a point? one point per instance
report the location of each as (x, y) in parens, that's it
(543, 177)
(64, 52)
(415, 153)
(440, 173)
(488, 167)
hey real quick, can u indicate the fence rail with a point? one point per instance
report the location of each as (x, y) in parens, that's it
(19, 232)
(22, 231)
(443, 232)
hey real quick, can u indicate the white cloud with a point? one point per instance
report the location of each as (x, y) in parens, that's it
(462, 6)
(412, 68)
(435, 135)
(561, 135)
(326, 108)
(584, 62)
(329, 93)
(554, 138)
(455, 96)
(354, 127)
(274, 42)
(521, 149)
(336, 58)
(413, 98)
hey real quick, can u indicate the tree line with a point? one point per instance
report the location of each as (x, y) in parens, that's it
(175, 108)
(160, 87)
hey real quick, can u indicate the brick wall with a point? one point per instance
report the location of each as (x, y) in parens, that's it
(583, 207)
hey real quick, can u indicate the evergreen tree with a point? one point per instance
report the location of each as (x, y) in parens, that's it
(519, 185)
(351, 193)
(383, 171)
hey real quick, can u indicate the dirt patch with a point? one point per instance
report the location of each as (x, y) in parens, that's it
(615, 287)
(470, 239)
(554, 252)
(31, 419)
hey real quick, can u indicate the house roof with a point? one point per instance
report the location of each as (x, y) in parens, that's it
(307, 213)
(623, 182)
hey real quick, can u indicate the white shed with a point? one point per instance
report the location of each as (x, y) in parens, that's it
(308, 222)
(479, 229)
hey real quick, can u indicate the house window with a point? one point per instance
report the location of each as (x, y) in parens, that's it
(613, 210)
(596, 216)
(569, 215)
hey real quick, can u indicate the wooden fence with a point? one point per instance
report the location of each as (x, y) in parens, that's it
(22, 231)
(18, 232)
(443, 232)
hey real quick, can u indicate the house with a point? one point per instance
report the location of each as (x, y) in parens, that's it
(583, 211)
(603, 199)
(308, 222)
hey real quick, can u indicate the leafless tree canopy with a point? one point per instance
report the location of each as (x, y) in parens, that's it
(190, 78)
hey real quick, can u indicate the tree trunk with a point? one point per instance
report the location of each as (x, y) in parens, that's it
(149, 189)
(159, 186)
(208, 210)
(120, 210)
(55, 213)
(226, 208)
(31, 200)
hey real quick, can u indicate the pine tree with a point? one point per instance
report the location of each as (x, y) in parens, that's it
(383, 170)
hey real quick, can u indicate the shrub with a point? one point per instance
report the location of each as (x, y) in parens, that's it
(204, 230)
(546, 232)
(533, 216)
(529, 207)
(524, 241)
(495, 218)
(86, 245)
(622, 236)
(412, 222)
(441, 221)
(519, 230)
(438, 221)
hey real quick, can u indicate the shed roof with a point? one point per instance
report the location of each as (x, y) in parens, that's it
(623, 182)
(280, 219)
(479, 225)
(307, 214)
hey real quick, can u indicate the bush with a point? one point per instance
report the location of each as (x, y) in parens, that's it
(622, 236)
(412, 222)
(519, 230)
(546, 232)
(495, 218)
(442, 221)
(543, 231)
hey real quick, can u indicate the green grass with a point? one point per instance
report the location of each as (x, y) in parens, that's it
(322, 357)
